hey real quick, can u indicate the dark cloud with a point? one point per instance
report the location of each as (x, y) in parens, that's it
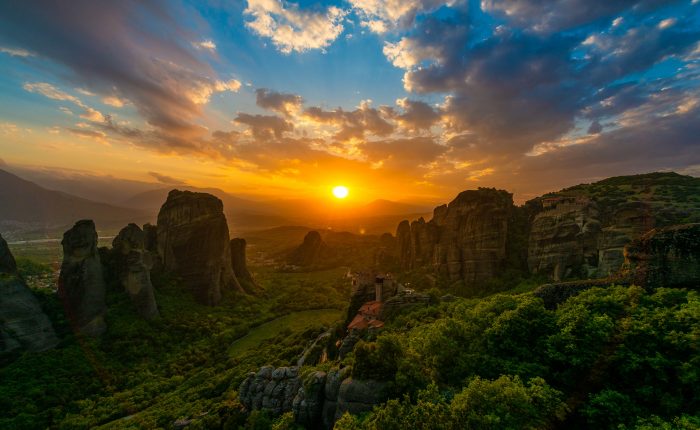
(403, 154)
(283, 103)
(416, 115)
(354, 124)
(165, 179)
(595, 127)
(265, 126)
(130, 49)
(556, 15)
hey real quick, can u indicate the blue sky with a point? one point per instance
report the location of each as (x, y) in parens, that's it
(412, 99)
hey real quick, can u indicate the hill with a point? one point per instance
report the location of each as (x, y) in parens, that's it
(30, 210)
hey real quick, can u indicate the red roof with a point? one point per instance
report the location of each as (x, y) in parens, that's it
(367, 316)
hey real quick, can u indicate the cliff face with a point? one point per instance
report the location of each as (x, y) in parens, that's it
(23, 325)
(564, 238)
(134, 264)
(81, 285)
(465, 240)
(193, 242)
(578, 232)
(665, 257)
(239, 265)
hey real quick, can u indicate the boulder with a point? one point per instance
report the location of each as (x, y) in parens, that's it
(239, 265)
(193, 242)
(23, 324)
(81, 285)
(133, 265)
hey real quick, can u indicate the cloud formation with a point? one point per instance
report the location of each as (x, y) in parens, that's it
(165, 179)
(282, 103)
(128, 49)
(292, 29)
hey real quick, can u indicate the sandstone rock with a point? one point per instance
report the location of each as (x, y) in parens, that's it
(7, 260)
(23, 324)
(133, 264)
(308, 403)
(356, 396)
(564, 238)
(464, 241)
(81, 285)
(311, 252)
(403, 243)
(238, 263)
(193, 242)
(270, 388)
(665, 257)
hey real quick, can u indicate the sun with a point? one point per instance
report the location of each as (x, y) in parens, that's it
(340, 192)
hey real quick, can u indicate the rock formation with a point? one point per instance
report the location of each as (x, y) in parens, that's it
(193, 242)
(81, 285)
(311, 252)
(563, 239)
(665, 257)
(23, 324)
(239, 265)
(317, 399)
(133, 265)
(465, 240)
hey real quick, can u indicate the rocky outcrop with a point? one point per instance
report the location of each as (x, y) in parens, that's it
(193, 242)
(23, 324)
(402, 301)
(665, 257)
(629, 221)
(133, 265)
(81, 285)
(311, 252)
(563, 239)
(239, 265)
(270, 388)
(317, 399)
(464, 241)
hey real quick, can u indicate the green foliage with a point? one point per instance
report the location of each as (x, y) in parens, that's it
(29, 267)
(505, 403)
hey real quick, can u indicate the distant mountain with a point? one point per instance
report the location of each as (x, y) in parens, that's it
(383, 207)
(152, 200)
(26, 208)
(98, 188)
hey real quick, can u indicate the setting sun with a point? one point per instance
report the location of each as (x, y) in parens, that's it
(340, 192)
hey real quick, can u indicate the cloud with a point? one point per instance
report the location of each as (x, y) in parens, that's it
(291, 29)
(353, 124)
(207, 45)
(49, 91)
(381, 16)
(3, 163)
(16, 52)
(417, 115)
(283, 103)
(556, 15)
(132, 50)
(265, 127)
(403, 154)
(165, 179)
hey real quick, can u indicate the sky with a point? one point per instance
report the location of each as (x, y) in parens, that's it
(409, 100)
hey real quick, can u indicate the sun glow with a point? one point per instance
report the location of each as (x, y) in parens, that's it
(340, 192)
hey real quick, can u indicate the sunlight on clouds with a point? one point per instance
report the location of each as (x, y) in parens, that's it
(381, 16)
(292, 29)
(207, 45)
